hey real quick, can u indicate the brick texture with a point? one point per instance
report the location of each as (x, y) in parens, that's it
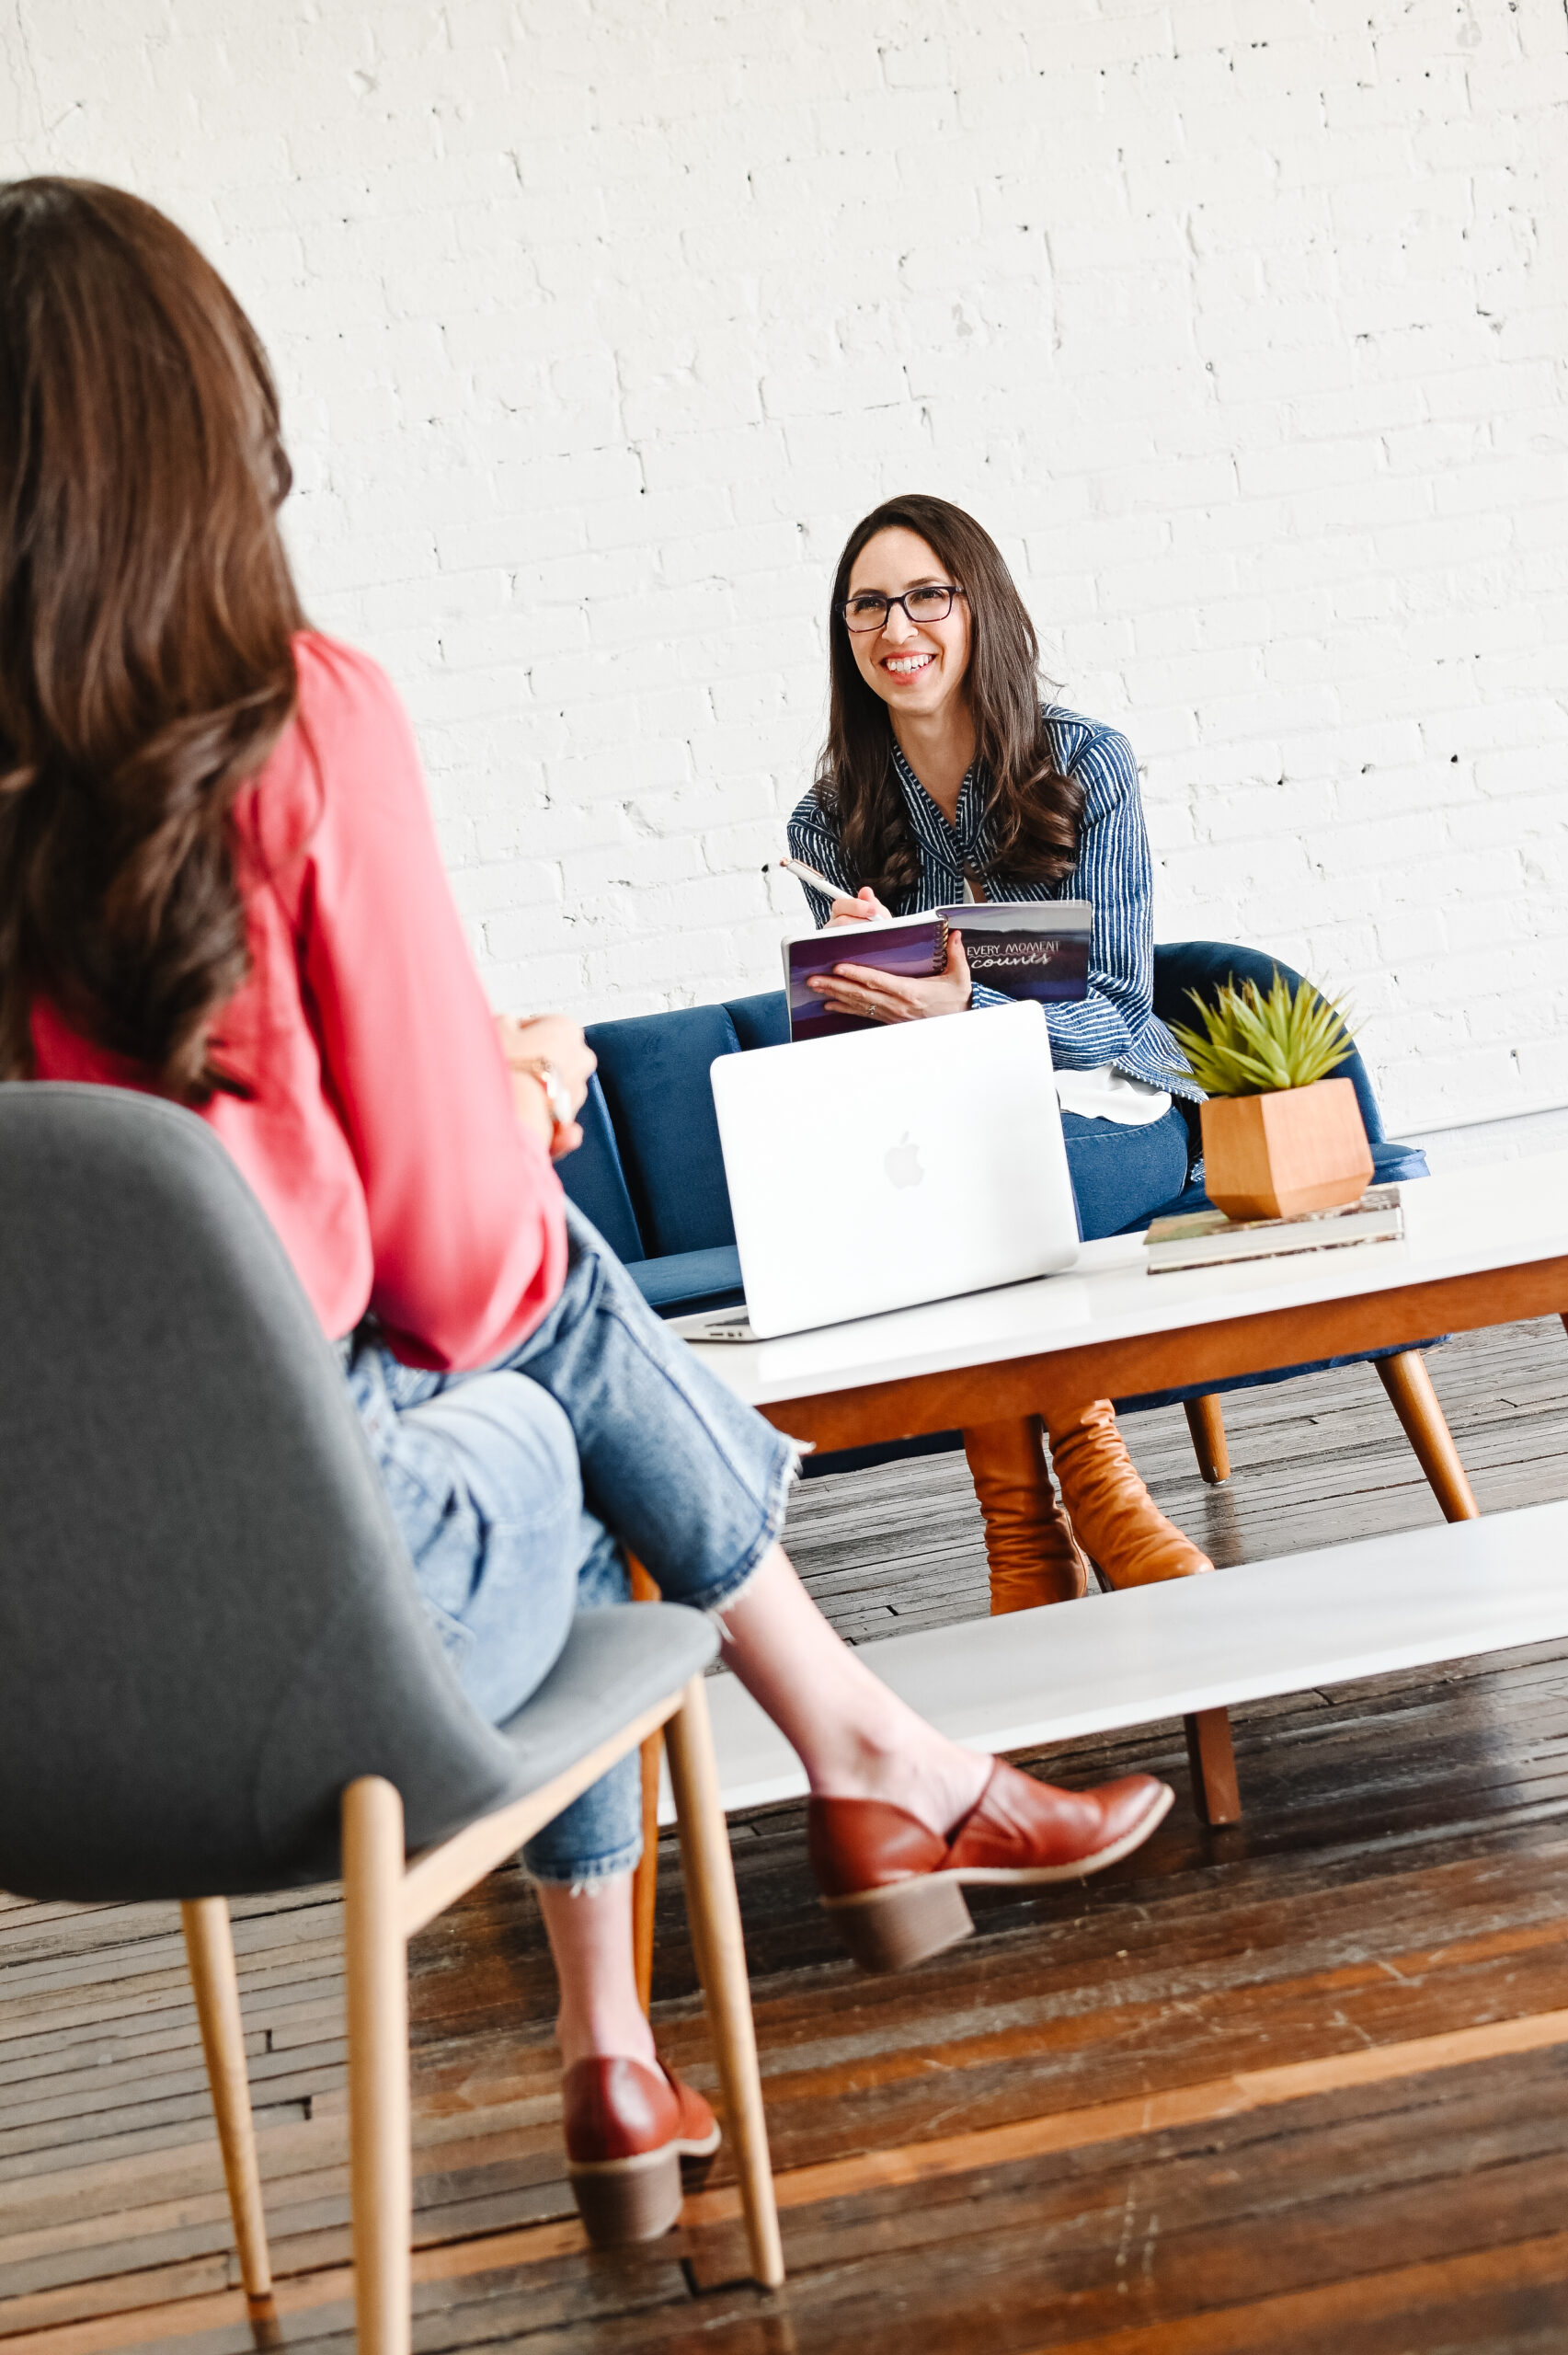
(1241, 323)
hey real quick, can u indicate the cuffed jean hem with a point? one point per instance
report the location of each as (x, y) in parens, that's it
(584, 1875)
(554, 1856)
(718, 1596)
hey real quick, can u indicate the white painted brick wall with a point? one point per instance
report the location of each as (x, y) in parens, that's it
(1241, 323)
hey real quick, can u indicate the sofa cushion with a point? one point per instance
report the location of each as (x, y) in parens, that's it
(687, 1280)
(654, 1070)
(761, 1021)
(593, 1178)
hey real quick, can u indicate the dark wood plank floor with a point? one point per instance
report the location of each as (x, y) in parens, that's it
(1301, 2086)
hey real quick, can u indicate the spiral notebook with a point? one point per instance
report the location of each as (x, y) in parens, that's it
(1027, 948)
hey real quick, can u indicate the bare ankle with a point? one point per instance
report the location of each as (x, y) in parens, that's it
(934, 1779)
(582, 2036)
(590, 1938)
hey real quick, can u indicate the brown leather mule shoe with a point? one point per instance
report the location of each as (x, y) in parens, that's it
(1114, 1517)
(633, 2133)
(1030, 1547)
(896, 1888)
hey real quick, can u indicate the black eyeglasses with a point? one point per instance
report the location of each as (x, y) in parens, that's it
(932, 602)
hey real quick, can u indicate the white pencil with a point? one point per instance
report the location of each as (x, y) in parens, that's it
(817, 882)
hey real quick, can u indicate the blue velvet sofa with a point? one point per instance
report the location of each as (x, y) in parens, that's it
(650, 1174)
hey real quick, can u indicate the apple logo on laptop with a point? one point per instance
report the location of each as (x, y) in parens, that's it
(902, 1163)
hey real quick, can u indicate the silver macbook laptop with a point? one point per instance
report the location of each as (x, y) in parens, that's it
(889, 1166)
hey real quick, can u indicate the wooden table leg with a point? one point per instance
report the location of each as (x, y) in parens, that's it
(1205, 1420)
(644, 1883)
(1212, 1761)
(1415, 1403)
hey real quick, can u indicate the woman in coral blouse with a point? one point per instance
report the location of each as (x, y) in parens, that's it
(219, 882)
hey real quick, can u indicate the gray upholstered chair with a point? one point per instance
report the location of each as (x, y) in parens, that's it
(215, 1675)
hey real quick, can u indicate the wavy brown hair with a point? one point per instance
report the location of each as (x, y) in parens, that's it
(1033, 811)
(146, 613)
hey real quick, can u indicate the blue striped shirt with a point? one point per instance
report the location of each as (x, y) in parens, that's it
(1116, 1023)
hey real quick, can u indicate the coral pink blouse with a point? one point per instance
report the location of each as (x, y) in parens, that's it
(380, 1138)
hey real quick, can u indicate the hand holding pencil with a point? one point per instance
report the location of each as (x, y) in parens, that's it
(863, 990)
(864, 906)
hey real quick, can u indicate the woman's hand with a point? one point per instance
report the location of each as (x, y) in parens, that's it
(864, 908)
(551, 1038)
(887, 997)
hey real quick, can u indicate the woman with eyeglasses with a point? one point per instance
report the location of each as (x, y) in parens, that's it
(219, 883)
(945, 778)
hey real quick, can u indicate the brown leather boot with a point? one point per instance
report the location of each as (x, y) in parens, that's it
(1029, 1544)
(1114, 1516)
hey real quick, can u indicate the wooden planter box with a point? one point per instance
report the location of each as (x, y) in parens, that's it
(1277, 1157)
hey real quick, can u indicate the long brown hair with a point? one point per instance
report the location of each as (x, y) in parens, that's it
(146, 613)
(1033, 811)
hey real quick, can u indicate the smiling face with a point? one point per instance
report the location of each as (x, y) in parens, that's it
(915, 668)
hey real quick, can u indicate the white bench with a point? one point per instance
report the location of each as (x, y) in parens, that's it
(1196, 1646)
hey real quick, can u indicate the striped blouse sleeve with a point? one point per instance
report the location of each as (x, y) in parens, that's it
(1116, 873)
(814, 839)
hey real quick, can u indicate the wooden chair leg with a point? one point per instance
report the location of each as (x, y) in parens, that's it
(645, 1885)
(1212, 1761)
(1205, 1420)
(721, 1959)
(209, 1950)
(645, 1882)
(380, 2158)
(1409, 1386)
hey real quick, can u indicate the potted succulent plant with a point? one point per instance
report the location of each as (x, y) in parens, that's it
(1280, 1137)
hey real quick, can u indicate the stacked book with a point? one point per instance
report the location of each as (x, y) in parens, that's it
(1209, 1239)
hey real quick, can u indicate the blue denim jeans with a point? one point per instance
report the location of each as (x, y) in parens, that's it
(1121, 1176)
(516, 1489)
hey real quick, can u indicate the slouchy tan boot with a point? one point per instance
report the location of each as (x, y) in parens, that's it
(1114, 1517)
(1028, 1543)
